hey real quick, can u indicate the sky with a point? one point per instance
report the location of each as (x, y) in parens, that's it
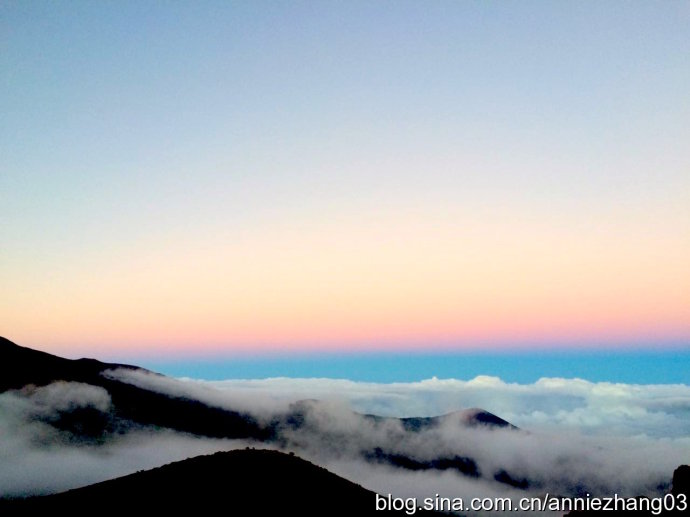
(240, 178)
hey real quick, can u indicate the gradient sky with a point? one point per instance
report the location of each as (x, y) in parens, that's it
(199, 177)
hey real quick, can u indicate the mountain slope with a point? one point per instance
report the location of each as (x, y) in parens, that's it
(242, 482)
(20, 367)
(141, 405)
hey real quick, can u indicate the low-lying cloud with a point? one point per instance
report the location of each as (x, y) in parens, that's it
(574, 435)
(38, 458)
(601, 408)
(606, 436)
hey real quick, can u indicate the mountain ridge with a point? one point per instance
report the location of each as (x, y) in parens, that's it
(21, 366)
(250, 481)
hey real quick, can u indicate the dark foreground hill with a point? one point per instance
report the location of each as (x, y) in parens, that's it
(243, 482)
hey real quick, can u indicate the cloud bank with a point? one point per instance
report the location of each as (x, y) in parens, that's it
(602, 408)
(574, 435)
(36, 457)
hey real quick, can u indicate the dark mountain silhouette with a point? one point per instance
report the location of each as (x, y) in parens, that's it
(463, 465)
(477, 417)
(473, 417)
(243, 482)
(20, 367)
(681, 481)
(298, 418)
(133, 406)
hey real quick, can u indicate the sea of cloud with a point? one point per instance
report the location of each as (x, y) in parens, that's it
(602, 437)
(603, 408)
(550, 404)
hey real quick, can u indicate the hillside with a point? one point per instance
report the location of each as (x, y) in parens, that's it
(242, 482)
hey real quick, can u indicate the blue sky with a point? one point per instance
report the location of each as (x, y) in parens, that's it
(258, 177)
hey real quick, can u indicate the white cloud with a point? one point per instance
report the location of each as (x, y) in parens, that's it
(601, 436)
(47, 401)
(660, 411)
(614, 437)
